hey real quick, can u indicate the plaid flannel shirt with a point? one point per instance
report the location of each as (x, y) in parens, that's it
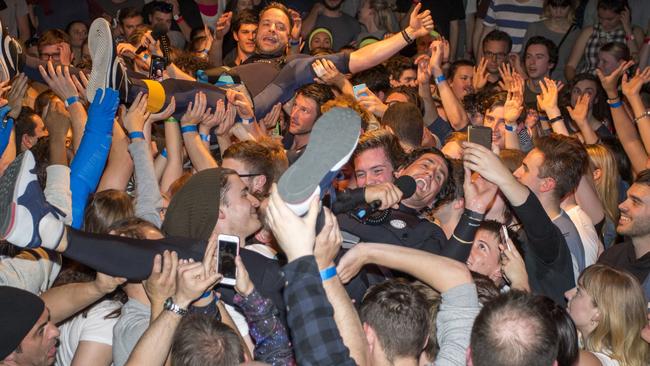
(316, 339)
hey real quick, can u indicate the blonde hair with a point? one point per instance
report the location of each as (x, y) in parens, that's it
(621, 303)
(607, 186)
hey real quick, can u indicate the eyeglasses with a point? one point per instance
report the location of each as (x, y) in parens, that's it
(498, 56)
(249, 175)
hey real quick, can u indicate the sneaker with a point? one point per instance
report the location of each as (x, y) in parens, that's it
(103, 55)
(12, 58)
(27, 220)
(331, 143)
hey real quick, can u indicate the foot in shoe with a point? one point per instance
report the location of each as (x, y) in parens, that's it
(331, 143)
(12, 58)
(27, 219)
(102, 53)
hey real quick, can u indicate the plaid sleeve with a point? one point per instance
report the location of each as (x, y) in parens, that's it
(316, 339)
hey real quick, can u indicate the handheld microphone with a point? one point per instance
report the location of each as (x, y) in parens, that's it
(157, 33)
(405, 183)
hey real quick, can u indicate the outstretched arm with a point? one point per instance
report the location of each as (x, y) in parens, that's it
(419, 25)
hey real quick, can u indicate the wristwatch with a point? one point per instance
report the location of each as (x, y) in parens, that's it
(174, 308)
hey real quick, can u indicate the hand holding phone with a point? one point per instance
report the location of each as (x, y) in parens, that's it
(357, 90)
(227, 251)
(480, 135)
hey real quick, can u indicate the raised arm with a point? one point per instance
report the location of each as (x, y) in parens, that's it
(453, 107)
(631, 89)
(579, 116)
(198, 152)
(547, 100)
(420, 24)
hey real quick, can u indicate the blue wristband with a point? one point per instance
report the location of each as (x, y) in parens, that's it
(510, 128)
(205, 138)
(439, 79)
(164, 152)
(616, 104)
(190, 128)
(136, 135)
(328, 273)
(205, 294)
(72, 100)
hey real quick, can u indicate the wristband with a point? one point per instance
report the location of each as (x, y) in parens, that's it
(543, 117)
(205, 294)
(510, 128)
(145, 56)
(164, 152)
(136, 135)
(205, 138)
(610, 100)
(171, 119)
(439, 79)
(294, 43)
(246, 121)
(407, 38)
(328, 273)
(556, 119)
(645, 114)
(189, 128)
(178, 18)
(615, 104)
(72, 100)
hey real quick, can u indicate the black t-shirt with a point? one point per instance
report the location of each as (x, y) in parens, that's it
(442, 12)
(622, 256)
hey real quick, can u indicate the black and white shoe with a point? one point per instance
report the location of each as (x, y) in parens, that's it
(331, 143)
(12, 58)
(106, 65)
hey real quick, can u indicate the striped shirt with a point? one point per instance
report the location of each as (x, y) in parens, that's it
(513, 17)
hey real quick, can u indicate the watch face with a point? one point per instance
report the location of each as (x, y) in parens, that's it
(168, 304)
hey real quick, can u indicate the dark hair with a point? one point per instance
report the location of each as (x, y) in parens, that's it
(513, 329)
(405, 119)
(384, 140)
(411, 94)
(447, 188)
(397, 64)
(24, 125)
(617, 6)
(456, 179)
(319, 93)
(52, 37)
(618, 49)
(282, 8)
(132, 227)
(202, 340)
(568, 351)
(375, 78)
(126, 13)
(246, 16)
(499, 36)
(399, 315)
(260, 159)
(433, 300)
(600, 109)
(486, 289)
(67, 27)
(160, 6)
(106, 207)
(551, 48)
(643, 177)
(565, 160)
(512, 158)
(494, 100)
(453, 68)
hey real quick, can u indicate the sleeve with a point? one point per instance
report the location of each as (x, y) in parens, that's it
(96, 327)
(544, 237)
(459, 245)
(148, 198)
(458, 309)
(310, 316)
(490, 18)
(30, 270)
(272, 344)
(57, 190)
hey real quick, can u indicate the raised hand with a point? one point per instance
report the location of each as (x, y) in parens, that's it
(106, 284)
(212, 120)
(195, 111)
(580, 111)
(420, 24)
(479, 192)
(137, 114)
(484, 162)
(193, 279)
(632, 87)
(223, 25)
(480, 74)
(59, 80)
(351, 263)
(297, 24)
(610, 82)
(513, 267)
(16, 94)
(328, 241)
(506, 72)
(229, 121)
(164, 114)
(80, 84)
(437, 55)
(423, 73)
(161, 284)
(514, 104)
(243, 105)
(271, 119)
(547, 99)
(371, 102)
(330, 75)
(56, 119)
(243, 284)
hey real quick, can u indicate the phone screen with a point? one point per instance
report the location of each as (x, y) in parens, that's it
(157, 68)
(480, 135)
(356, 89)
(227, 253)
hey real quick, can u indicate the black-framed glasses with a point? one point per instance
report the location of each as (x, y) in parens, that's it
(249, 175)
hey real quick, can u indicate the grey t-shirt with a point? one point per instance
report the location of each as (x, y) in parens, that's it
(568, 229)
(133, 322)
(540, 29)
(344, 29)
(15, 9)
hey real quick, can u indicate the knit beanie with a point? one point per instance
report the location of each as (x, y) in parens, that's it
(194, 209)
(20, 312)
(319, 30)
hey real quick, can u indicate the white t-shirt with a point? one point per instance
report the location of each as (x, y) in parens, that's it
(587, 232)
(91, 328)
(605, 360)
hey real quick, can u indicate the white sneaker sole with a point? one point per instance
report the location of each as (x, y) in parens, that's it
(100, 45)
(20, 229)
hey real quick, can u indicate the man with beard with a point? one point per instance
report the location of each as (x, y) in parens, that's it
(327, 13)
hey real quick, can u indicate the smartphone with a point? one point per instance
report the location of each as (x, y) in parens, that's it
(480, 135)
(227, 250)
(157, 67)
(357, 90)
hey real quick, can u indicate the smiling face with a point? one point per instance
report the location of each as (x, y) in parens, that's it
(373, 167)
(635, 212)
(239, 208)
(430, 173)
(494, 119)
(39, 345)
(320, 40)
(273, 31)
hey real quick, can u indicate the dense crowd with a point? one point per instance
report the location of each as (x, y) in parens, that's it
(325, 182)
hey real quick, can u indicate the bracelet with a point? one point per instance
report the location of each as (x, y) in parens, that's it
(246, 121)
(294, 43)
(439, 79)
(205, 138)
(145, 56)
(189, 128)
(164, 152)
(543, 118)
(171, 119)
(328, 273)
(136, 135)
(178, 19)
(72, 100)
(610, 100)
(629, 37)
(555, 119)
(616, 104)
(510, 128)
(408, 39)
(645, 114)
